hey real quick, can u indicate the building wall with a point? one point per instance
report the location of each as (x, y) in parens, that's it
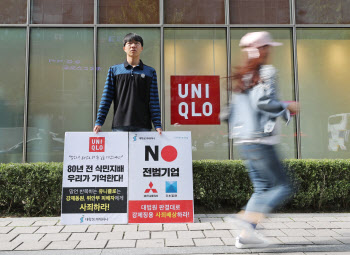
(55, 56)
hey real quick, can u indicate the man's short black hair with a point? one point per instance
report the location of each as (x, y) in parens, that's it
(132, 37)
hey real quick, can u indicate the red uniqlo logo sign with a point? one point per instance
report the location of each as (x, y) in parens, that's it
(195, 100)
(97, 144)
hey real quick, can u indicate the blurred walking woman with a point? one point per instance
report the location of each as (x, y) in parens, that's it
(254, 110)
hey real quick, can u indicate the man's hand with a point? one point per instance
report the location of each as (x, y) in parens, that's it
(294, 107)
(159, 130)
(97, 129)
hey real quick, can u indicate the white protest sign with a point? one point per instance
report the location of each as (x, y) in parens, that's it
(95, 178)
(161, 181)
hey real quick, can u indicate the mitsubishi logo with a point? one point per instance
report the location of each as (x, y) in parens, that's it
(153, 190)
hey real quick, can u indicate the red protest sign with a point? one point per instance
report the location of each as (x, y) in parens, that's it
(195, 100)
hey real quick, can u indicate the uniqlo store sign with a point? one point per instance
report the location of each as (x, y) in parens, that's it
(195, 100)
(96, 187)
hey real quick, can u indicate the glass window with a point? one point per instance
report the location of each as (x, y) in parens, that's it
(194, 12)
(62, 11)
(259, 12)
(110, 52)
(282, 59)
(13, 11)
(60, 89)
(197, 52)
(129, 12)
(322, 12)
(323, 70)
(12, 73)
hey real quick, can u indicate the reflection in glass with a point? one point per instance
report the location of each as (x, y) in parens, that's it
(259, 12)
(281, 58)
(62, 11)
(13, 11)
(12, 73)
(198, 52)
(323, 68)
(129, 12)
(110, 52)
(194, 12)
(60, 89)
(322, 12)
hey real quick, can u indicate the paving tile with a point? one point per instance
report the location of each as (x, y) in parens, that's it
(175, 226)
(55, 237)
(323, 225)
(302, 219)
(24, 230)
(323, 219)
(94, 244)
(217, 233)
(110, 236)
(151, 227)
(272, 232)
(181, 242)
(326, 253)
(343, 224)
(323, 240)
(298, 225)
(99, 228)
(274, 225)
(121, 244)
(229, 241)
(74, 229)
(5, 230)
(294, 240)
(204, 220)
(284, 219)
(153, 243)
(199, 226)
(208, 242)
(190, 234)
(45, 223)
(134, 235)
(164, 235)
(62, 245)
(344, 240)
(273, 240)
(4, 223)
(203, 215)
(323, 232)
(28, 238)
(297, 232)
(8, 246)
(21, 223)
(118, 228)
(49, 229)
(342, 232)
(32, 246)
(343, 218)
(7, 237)
(82, 236)
(222, 215)
(224, 225)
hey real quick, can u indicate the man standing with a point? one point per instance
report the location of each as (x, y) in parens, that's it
(132, 86)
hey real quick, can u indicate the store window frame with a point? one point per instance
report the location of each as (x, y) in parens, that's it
(292, 26)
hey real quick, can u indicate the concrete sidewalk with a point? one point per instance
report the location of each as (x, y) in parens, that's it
(292, 234)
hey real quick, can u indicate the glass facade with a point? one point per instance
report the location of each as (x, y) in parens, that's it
(55, 56)
(62, 11)
(12, 73)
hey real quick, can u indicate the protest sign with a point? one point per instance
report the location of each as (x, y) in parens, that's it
(160, 177)
(95, 178)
